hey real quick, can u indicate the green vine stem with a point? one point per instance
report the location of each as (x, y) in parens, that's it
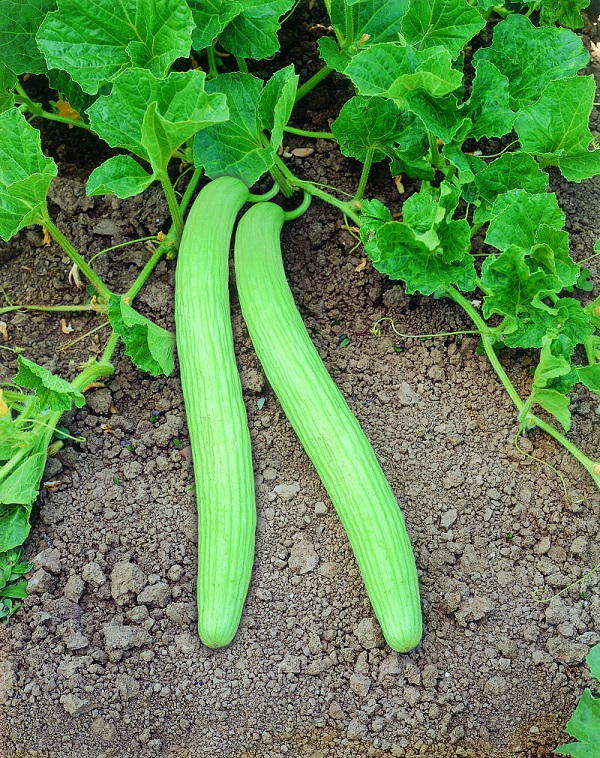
(309, 135)
(171, 198)
(269, 195)
(311, 83)
(300, 210)
(36, 110)
(49, 308)
(347, 208)
(592, 467)
(364, 176)
(165, 246)
(213, 69)
(84, 267)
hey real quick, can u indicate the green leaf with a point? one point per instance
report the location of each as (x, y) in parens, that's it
(411, 151)
(276, 101)
(590, 376)
(593, 661)
(367, 123)
(555, 403)
(211, 17)
(94, 40)
(19, 23)
(8, 79)
(71, 92)
(335, 58)
(120, 176)
(512, 288)
(584, 724)
(148, 345)
(380, 20)
(508, 172)
(21, 487)
(566, 318)
(556, 127)
(25, 174)
(239, 147)
(489, 104)
(53, 393)
(398, 252)
(253, 33)
(441, 115)
(449, 23)
(518, 216)
(371, 22)
(152, 117)
(17, 590)
(14, 526)
(531, 57)
(393, 70)
(563, 12)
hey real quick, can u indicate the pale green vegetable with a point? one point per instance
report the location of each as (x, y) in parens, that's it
(328, 430)
(216, 415)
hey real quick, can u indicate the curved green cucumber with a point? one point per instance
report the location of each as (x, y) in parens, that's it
(216, 415)
(328, 430)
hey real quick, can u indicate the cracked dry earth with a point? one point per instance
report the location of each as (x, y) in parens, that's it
(103, 658)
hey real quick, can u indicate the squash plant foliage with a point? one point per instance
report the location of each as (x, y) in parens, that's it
(479, 131)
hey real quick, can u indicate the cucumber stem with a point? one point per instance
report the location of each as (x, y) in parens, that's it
(82, 265)
(311, 83)
(310, 135)
(165, 246)
(36, 110)
(364, 176)
(171, 198)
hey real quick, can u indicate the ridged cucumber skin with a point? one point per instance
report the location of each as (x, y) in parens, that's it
(216, 415)
(327, 429)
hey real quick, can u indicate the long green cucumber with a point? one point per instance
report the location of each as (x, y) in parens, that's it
(329, 432)
(216, 415)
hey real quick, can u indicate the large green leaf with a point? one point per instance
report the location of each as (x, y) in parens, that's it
(152, 117)
(94, 40)
(148, 345)
(393, 70)
(531, 57)
(211, 17)
(239, 146)
(556, 127)
(8, 79)
(22, 485)
(450, 23)
(358, 25)
(253, 32)
(513, 288)
(563, 12)
(25, 174)
(121, 176)
(53, 392)
(518, 216)
(584, 724)
(276, 101)
(401, 255)
(367, 123)
(14, 526)
(566, 317)
(489, 104)
(508, 172)
(19, 23)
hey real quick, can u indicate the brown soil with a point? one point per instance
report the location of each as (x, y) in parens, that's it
(497, 673)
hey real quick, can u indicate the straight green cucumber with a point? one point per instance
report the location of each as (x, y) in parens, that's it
(216, 415)
(329, 432)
